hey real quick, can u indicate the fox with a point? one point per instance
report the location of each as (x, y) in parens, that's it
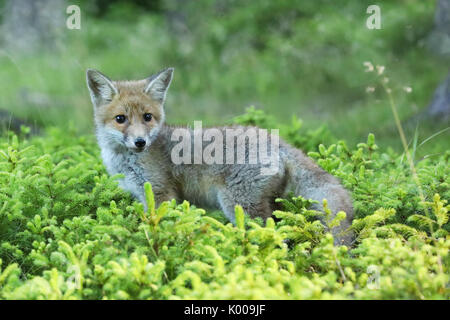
(136, 142)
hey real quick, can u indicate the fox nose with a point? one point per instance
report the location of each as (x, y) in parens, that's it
(139, 142)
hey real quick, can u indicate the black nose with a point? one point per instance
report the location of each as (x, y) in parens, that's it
(139, 142)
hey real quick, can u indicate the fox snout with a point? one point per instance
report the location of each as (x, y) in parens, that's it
(137, 142)
(137, 136)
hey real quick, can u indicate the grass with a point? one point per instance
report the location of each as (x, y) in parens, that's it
(69, 232)
(61, 213)
(309, 62)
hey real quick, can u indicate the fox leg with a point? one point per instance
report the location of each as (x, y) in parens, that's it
(161, 196)
(250, 189)
(254, 207)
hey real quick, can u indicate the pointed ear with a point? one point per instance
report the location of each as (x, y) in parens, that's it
(158, 84)
(101, 88)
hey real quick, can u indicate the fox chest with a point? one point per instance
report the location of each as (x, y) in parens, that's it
(135, 169)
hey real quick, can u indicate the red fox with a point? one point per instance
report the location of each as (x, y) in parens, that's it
(136, 142)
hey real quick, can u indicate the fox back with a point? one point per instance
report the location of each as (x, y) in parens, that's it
(134, 141)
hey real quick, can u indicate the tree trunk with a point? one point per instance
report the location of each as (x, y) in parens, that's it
(32, 24)
(439, 43)
(439, 107)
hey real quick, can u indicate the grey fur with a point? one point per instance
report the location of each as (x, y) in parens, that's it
(222, 186)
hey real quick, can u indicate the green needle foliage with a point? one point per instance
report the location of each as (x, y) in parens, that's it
(67, 231)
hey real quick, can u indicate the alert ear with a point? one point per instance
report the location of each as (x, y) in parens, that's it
(101, 88)
(158, 85)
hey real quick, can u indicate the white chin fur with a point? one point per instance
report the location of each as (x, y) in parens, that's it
(132, 147)
(110, 137)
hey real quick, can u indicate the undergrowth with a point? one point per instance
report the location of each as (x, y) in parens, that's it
(67, 231)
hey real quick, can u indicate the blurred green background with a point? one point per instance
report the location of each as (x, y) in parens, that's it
(296, 57)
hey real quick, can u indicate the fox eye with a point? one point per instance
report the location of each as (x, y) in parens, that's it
(148, 116)
(120, 118)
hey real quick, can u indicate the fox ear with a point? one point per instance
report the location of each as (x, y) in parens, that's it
(101, 88)
(158, 84)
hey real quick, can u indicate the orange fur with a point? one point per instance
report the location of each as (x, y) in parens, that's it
(133, 103)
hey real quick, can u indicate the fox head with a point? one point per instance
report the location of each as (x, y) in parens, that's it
(128, 113)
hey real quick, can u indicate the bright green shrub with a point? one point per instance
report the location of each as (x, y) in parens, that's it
(68, 232)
